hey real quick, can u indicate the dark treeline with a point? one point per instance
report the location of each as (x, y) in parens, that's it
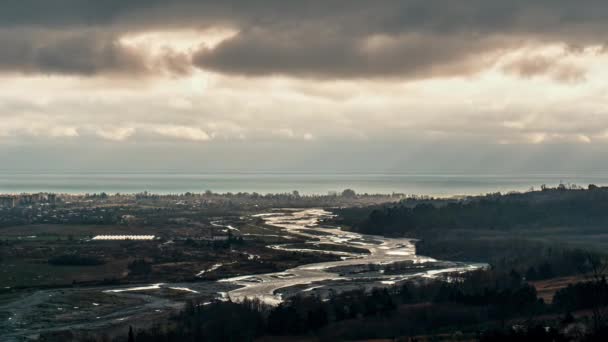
(426, 306)
(482, 304)
(75, 260)
(530, 232)
(534, 260)
(582, 295)
(550, 207)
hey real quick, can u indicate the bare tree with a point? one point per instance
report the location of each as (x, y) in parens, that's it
(597, 268)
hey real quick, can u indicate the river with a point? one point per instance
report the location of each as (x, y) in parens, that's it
(362, 268)
(365, 261)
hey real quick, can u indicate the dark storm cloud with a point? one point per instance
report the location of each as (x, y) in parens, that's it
(325, 39)
(81, 53)
(327, 54)
(66, 53)
(407, 39)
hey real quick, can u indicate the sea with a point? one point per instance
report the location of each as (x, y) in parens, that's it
(438, 185)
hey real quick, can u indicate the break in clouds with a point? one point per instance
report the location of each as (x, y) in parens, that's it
(430, 73)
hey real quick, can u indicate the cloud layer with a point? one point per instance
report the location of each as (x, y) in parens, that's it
(335, 39)
(264, 82)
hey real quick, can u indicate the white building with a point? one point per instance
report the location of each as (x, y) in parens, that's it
(123, 237)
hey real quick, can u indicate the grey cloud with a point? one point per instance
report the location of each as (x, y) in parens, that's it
(358, 15)
(86, 55)
(310, 53)
(534, 66)
(323, 39)
(421, 39)
(82, 53)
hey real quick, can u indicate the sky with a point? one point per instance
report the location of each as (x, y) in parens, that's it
(314, 86)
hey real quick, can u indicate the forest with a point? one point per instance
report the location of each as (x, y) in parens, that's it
(486, 305)
(546, 208)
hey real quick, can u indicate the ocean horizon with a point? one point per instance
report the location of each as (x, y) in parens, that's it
(432, 184)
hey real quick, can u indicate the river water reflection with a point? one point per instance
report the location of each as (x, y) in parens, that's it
(366, 260)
